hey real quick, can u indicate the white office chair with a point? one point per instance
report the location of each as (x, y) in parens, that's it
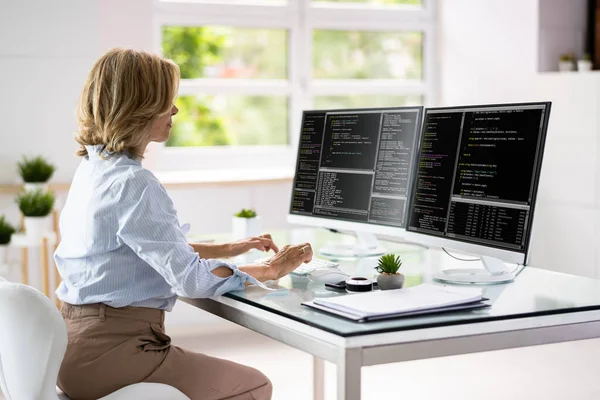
(33, 341)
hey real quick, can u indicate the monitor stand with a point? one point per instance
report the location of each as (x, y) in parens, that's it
(494, 272)
(367, 245)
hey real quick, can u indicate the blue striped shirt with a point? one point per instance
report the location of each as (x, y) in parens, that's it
(122, 244)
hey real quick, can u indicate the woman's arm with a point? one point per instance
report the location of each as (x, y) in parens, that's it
(261, 272)
(211, 250)
(284, 262)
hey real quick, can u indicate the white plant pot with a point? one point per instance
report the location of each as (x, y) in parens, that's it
(243, 228)
(32, 187)
(4, 266)
(37, 227)
(566, 66)
(390, 281)
(3, 252)
(584, 65)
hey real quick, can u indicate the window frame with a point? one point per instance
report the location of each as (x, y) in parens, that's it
(299, 18)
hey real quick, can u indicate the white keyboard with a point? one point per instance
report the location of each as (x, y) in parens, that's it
(315, 263)
(307, 268)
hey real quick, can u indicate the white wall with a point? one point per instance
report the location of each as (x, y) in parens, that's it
(43, 63)
(210, 209)
(485, 46)
(562, 29)
(489, 54)
(46, 51)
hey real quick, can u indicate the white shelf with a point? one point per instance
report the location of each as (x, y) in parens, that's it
(22, 240)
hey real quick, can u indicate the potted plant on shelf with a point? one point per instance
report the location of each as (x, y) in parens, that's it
(36, 206)
(389, 277)
(584, 64)
(35, 172)
(566, 62)
(6, 231)
(245, 223)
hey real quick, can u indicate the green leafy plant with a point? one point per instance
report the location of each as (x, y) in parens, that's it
(36, 203)
(36, 169)
(6, 230)
(567, 57)
(586, 57)
(246, 213)
(389, 264)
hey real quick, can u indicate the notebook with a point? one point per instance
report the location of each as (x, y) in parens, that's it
(417, 300)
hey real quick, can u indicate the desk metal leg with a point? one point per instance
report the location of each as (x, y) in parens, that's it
(348, 374)
(318, 378)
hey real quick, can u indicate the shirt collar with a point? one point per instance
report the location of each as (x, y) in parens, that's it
(98, 152)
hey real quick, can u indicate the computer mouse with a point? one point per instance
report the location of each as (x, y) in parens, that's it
(328, 275)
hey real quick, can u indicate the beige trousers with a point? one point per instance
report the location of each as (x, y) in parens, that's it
(110, 348)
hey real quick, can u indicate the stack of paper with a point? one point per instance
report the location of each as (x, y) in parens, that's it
(421, 299)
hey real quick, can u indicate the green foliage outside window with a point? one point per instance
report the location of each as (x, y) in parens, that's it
(255, 53)
(192, 48)
(228, 53)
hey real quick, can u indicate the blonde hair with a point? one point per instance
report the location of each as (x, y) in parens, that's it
(125, 91)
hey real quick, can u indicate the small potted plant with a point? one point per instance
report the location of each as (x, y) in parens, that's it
(389, 277)
(566, 62)
(6, 231)
(36, 206)
(245, 223)
(584, 64)
(35, 172)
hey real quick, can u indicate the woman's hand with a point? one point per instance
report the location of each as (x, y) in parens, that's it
(281, 264)
(262, 243)
(288, 259)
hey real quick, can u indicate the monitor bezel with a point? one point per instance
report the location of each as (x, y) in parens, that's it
(341, 224)
(513, 256)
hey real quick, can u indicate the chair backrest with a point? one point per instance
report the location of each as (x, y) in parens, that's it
(33, 341)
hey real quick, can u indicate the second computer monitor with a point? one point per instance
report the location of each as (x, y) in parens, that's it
(476, 181)
(354, 168)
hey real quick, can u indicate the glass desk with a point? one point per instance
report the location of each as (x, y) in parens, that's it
(539, 307)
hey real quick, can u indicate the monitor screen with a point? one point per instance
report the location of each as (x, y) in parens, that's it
(355, 165)
(477, 174)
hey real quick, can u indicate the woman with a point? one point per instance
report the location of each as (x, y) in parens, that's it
(123, 257)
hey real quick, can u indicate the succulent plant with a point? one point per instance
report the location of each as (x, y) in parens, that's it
(389, 264)
(246, 213)
(567, 57)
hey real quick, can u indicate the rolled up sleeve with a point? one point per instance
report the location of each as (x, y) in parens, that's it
(151, 229)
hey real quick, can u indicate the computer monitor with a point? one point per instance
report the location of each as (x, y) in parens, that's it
(353, 173)
(476, 182)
